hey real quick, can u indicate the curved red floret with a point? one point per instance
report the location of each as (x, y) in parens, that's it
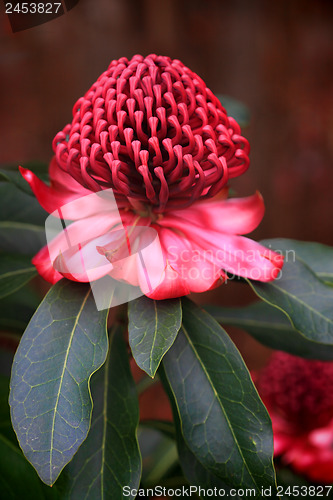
(151, 130)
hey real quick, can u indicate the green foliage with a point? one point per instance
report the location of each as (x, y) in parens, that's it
(318, 257)
(153, 327)
(15, 272)
(64, 343)
(11, 174)
(272, 328)
(109, 458)
(22, 221)
(17, 309)
(236, 109)
(18, 479)
(301, 295)
(222, 430)
(223, 421)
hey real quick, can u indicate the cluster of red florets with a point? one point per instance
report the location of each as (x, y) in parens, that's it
(151, 130)
(299, 390)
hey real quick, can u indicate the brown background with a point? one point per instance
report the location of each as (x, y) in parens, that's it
(276, 57)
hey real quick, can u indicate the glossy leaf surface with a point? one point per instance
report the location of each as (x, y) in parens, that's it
(12, 175)
(109, 459)
(272, 328)
(18, 479)
(318, 257)
(153, 327)
(302, 296)
(64, 343)
(223, 420)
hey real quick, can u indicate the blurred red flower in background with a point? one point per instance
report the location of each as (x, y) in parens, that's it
(151, 130)
(298, 394)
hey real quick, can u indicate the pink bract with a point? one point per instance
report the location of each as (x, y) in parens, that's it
(151, 130)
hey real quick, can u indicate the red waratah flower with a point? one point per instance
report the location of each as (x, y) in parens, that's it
(298, 394)
(150, 130)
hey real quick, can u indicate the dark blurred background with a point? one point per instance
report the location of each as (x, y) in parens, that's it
(276, 57)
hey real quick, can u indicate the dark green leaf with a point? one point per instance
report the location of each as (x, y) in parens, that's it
(22, 221)
(194, 471)
(64, 343)
(12, 174)
(15, 272)
(17, 309)
(18, 479)
(15, 178)
(236, 109)
(318, 257)
(18, 237)
(109, 459)
(272, 328)
(303, 297)
(153, 327)
(18, 207)
(223, 420)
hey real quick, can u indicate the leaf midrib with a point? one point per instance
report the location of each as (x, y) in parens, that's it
(17, 272)
(154, 340)
(252, 322)
(20, 225)
(219, 400)
(63, 373)
(300, 302)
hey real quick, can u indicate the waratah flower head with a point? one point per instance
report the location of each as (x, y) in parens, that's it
(150, 129)
(298, 394)
(150, 132)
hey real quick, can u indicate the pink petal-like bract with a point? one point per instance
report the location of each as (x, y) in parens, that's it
(298, 394)
(150, 130)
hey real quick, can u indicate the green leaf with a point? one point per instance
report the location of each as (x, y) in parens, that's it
(272, 328)
(18, 207)
(236, 109)
(12, 174)
(193, 470)
(109, 459)
(195, 473)
(17, 309)
(15, 272)
(18, 479)
(305, 299)
(22, 221)
(153, 327)
(64, 343)
(15, 178)
(223, 420)
(318, 257)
